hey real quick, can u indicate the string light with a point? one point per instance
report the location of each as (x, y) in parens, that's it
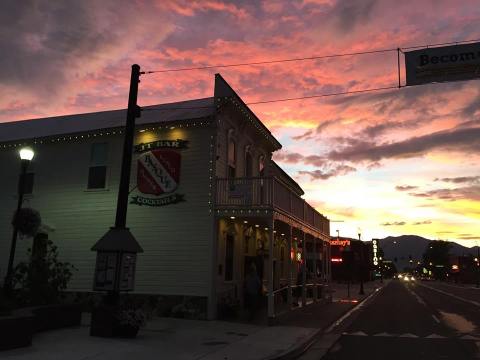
(103, 133)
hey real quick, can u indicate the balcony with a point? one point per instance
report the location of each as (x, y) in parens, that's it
(267, 193)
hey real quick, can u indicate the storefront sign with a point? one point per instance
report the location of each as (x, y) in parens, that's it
(166, 200)
(375, 251)
(158, 172)
(173, 144)
(440, 64)
(340, 242)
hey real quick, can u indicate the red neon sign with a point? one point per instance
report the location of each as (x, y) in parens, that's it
(336, 260)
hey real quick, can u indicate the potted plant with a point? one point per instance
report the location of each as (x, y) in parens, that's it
(129, 321)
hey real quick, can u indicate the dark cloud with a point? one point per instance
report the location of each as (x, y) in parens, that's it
(316, 132)
(52, 43)
(405, 187)
(468, 237)
(376, 130)
(463, 193)
(295, 158)
(465, 140)
(426, 222)
(349, 14)
(326, 174)
(461, 179)
(290, 158)
(395, 223)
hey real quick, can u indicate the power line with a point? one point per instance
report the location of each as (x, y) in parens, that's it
(285, 99)
(326, 95)
(206, 67)
(267, 62)
(439, 44)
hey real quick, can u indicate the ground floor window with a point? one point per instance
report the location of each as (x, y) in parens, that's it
(229, 247)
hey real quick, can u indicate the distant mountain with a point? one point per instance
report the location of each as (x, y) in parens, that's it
(406, 246)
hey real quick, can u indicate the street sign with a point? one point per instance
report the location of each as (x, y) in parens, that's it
(443, 64)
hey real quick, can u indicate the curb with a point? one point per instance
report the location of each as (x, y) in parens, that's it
(305, 345)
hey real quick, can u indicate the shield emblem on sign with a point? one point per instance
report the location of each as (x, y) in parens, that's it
(158, 172)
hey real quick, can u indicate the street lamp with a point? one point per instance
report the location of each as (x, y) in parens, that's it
(362, 259)
(26, 156)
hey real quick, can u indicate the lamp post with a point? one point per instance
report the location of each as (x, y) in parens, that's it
(478, 264)
(26, 156)
(361, 292)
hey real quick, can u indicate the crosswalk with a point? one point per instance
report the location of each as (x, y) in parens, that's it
(474, 337)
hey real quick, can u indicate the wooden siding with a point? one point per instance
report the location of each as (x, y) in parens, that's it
(176, 239)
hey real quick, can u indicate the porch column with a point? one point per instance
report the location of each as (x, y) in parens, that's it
(271, 296)
(304, 274)
(315, 290)
(289, 267)
(328, 262)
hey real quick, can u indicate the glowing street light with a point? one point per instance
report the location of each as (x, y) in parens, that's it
(26, 156)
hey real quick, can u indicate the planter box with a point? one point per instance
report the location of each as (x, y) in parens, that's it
(16, 330)
(51, 317)
(105, 324)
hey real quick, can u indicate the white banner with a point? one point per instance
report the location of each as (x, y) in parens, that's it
(441, 64)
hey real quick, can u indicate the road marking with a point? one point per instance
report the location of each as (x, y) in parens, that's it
(419, 299)
(435, 336)
(462, 287)
(436, 319)
(469, 337)
(454, 296)
(385, 334)
(408, 335)
(356, 308)
(358, 333)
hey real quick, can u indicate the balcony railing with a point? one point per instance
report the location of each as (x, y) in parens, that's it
(267, 193)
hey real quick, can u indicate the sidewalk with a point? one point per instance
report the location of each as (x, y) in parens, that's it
(170, 338)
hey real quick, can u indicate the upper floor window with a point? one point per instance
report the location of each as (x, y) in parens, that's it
(248, 162)
(261, 165)
(97, 172)
(231, 157)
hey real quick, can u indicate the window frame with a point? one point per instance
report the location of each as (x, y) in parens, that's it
(95, 164)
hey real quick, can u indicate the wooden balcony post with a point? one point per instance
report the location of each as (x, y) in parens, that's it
(304, 274)
(315, 290)
(271, 296)
(289, 267)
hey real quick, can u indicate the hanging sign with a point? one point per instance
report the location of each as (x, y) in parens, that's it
(375, 251)
(158, 173)
(441, 64)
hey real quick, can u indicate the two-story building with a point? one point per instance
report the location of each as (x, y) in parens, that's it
(206, 200)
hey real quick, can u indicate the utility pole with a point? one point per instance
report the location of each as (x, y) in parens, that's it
(132, 113)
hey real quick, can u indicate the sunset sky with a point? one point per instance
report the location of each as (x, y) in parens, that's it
(401, 161)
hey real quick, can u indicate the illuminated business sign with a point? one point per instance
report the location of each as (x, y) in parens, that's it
(375, 251)
(441, 64)
(338, 260)
(158, 172)
(340, 242)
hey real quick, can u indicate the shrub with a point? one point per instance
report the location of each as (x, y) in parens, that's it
(42, 279)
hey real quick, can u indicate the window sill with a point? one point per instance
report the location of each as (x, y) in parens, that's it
(96, 190)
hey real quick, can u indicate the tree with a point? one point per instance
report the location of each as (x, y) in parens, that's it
(436, 257)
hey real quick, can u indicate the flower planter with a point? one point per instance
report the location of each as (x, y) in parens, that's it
(125, 331)
(105, 322)
(16, 330)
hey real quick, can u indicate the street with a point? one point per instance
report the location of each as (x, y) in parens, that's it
(412, 320)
